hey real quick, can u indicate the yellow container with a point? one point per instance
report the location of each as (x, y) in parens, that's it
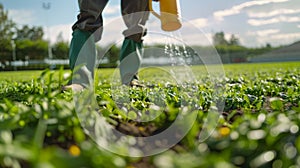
(169, 14)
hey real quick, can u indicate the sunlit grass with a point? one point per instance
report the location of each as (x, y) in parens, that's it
(154, 72)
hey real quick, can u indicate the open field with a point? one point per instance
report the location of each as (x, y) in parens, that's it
(257, 125)
(229, 69)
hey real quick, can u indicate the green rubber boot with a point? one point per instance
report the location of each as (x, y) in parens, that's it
(130, 60)
(82, 57)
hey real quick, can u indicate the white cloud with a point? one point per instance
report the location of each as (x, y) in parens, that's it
(261, 22)
(298, 26)
(109, 10)
(264, 33)
(238, 8)
(112, 33)
(286, 36)
(54, 31)
(273, 13)
(22, 16)
(113, 27)
(276, 39)
(200, 22)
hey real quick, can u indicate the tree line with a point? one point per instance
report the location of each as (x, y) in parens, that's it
(27, 40)
(231, 50)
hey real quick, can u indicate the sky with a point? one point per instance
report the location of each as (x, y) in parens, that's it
(255, 22)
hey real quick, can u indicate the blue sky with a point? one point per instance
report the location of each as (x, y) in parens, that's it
(255, 22)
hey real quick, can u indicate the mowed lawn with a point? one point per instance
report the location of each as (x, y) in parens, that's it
(106, 73)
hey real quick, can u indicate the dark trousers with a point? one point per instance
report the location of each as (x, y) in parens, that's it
(135, 14)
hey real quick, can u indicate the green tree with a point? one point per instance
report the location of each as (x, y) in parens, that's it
(113, 54)
(219, 39)
(234, 40)
(30, 43)
(28, 40)
(34, 50)
(6, 25)
(31, 33)
(60, 48)
(6, 34)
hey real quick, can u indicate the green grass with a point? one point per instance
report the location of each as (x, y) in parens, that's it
(260, 67)
(229, 69)
(258, 106)
(19, 75)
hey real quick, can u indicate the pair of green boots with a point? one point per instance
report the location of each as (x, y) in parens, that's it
(82, 57)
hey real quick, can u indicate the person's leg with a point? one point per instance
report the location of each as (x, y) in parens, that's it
(86, 31)
(135, 14)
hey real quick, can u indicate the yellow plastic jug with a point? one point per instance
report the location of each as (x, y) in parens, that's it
(169, 14)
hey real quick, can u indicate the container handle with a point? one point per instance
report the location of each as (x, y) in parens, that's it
(152, 11)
